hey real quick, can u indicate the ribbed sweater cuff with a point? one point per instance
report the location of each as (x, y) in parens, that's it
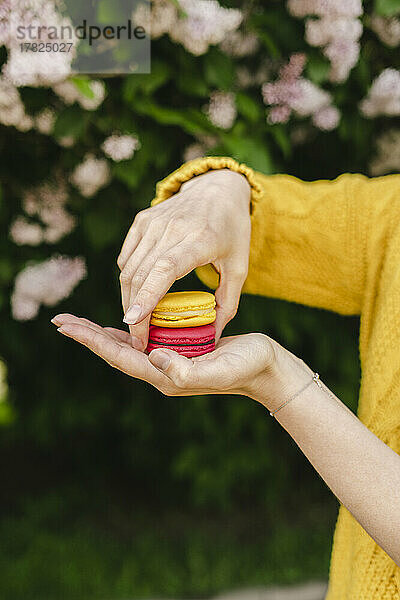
(172, 183)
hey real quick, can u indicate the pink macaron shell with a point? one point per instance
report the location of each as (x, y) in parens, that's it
(187, 341)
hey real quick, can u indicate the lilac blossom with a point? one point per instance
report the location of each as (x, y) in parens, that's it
(45, 283)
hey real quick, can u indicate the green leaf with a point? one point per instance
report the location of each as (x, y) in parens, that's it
(84, 86)
(248, 107)
(71, 122)
(102, 226)
(269, 44)
(254, 153)
(387, 8)
(317, 68)
(146, 83)
(190, 83)
(7, 414)
(219, 70)
(281, 136)
(190, 120)
(110, 12)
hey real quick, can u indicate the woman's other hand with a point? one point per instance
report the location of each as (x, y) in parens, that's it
(208, 221)
(244, 364)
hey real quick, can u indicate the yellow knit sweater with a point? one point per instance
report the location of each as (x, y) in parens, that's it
(333, 245)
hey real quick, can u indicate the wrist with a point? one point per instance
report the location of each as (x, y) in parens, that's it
(226, 180)
(279, 380)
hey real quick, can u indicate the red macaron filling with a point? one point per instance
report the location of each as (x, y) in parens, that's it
(188, 341)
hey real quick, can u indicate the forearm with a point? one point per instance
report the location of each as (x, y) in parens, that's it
(311, 242)
(360, 469)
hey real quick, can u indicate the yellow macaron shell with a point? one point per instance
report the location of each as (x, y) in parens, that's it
(184, 309)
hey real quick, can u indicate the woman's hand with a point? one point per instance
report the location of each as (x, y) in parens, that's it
(208, 221)
(345, 453)
(244, 364)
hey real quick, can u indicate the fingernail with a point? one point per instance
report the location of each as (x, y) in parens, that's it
(132, 314)
(63, 329)
(54, 320)
(161, 360)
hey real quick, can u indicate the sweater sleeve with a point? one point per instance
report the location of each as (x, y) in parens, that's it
(311, 241)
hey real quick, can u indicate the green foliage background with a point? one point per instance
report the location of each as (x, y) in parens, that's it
(110, 490)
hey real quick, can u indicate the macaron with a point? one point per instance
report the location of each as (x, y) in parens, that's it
(188, 341)
(184, 309)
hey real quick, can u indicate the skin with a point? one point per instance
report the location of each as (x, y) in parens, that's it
(166, 242)
(361, 470)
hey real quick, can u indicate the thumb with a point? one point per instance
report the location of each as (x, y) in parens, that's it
(176, 367)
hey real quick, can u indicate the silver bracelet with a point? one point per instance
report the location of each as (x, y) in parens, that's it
(315, 379)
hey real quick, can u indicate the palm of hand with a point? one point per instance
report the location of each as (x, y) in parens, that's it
(231, 368)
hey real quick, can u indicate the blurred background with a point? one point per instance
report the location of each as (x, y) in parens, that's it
(110, 490)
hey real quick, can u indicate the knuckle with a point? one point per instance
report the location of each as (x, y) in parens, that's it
(145, 295)
(125, 277)
(178, 225)
(138, 277)
(180, 379)
(167, 264)
(140, 218)
(121, 261)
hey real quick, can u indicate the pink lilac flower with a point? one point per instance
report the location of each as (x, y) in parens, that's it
(45, 283)
(337, 30)
(120, 147)
(293, 93)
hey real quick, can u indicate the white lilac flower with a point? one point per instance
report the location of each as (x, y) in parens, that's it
(195, 150)
(205, 22)
(45, 283)
(161, 19)
(23, 232)
(347, 8)
(120, 147)
(44, 121)
(327, 118)
(46, 203)
(221, 110)
(387, 29)
(69, 93)
(66, 141)
(197, 25)
(91, 175)
(35, 68)
(12, 110)
(384, 95)
(238, 44)
(387, 159)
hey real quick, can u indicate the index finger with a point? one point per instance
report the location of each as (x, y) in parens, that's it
(172, 265)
